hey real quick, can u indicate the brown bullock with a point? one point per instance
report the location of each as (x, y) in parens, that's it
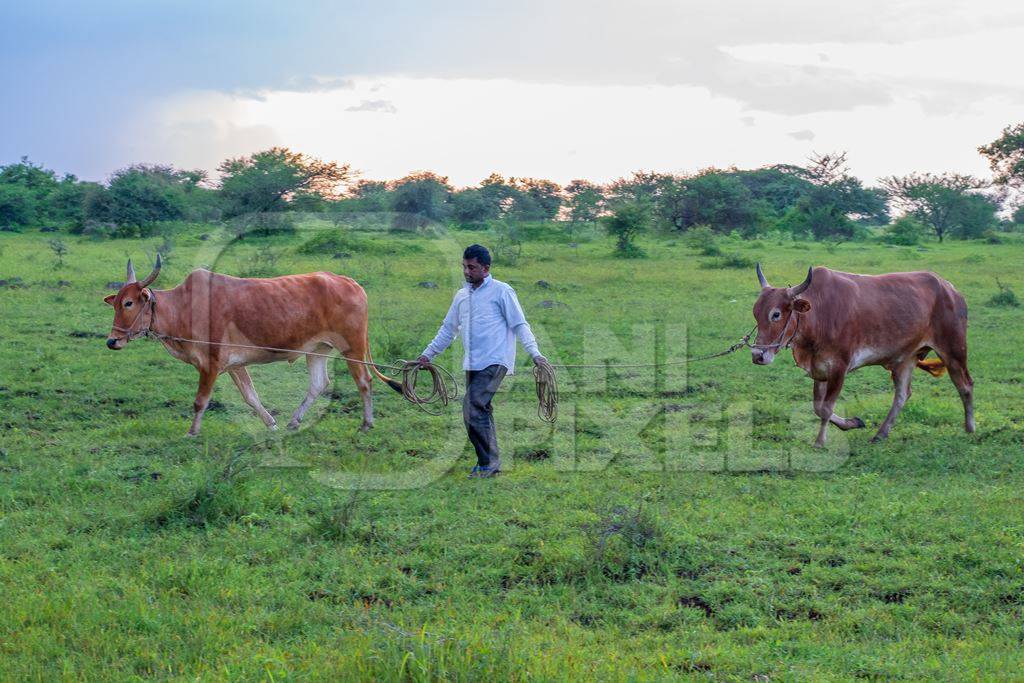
(837, 322)
(314, 312)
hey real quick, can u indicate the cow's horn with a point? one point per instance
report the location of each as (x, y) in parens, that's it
(761, 278)
(799, 289)
(131, 273)
(152, 276)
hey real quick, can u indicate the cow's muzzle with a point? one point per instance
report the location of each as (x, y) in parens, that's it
(762, 356)
(115, 344)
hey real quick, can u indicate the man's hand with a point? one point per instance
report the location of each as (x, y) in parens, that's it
(538, 359)
(423, 361)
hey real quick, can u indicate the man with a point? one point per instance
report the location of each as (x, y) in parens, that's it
(487, 313)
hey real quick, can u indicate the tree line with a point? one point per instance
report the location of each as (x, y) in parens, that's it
(819, 200)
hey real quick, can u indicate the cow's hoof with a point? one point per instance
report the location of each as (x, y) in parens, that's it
(191, 434)
(819, 446)
(293, 425)
(859, 423)
(365, 427)
(877, 438)
(272, 427)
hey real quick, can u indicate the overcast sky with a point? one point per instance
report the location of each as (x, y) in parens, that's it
(553, 89)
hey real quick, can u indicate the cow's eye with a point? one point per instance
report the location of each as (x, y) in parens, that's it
(776, 315)
(127, 304)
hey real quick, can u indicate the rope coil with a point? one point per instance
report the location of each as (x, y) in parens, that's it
(547, 391)
(440, 392)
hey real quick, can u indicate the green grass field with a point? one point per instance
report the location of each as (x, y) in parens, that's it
(674, 523)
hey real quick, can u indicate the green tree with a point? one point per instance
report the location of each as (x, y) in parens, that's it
(17, 205)
(68, 201)
(585, 201)
(711, 197)
(642, 186)
(269, 180)
(777, 188)
(974, 215)
(1018, 215)
(25, 189)
(834, 201)
(472, 207)
(936, 200)
(1006, 156)
(420, 198)
(627, 220)
(370, 196)
(536, 199)
(142, 195)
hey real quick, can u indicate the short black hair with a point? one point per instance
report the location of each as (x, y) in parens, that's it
(478, 252)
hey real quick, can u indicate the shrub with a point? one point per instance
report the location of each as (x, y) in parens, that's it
(263, 224)
(1006, 298)
(737, 261)
(508, 244)
(332, 242)
(626, 222)
(906, 231)
(702, 238)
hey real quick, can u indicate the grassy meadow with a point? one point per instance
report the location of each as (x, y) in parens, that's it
(674, 523)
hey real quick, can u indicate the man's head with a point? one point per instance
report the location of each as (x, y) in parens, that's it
(476, 264)
(773, 311)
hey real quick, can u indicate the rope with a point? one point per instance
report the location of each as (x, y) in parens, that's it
(547, 391)
(547, 384)
(440, 391)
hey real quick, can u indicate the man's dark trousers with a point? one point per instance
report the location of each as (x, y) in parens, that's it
(481, 385)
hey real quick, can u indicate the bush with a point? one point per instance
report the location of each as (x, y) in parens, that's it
(17, 205)
(626, 222)
(1006, 298)
(507, 243)
(905, 231)
(702, 238)
(345, 242)
(737, 261)
(263, 224)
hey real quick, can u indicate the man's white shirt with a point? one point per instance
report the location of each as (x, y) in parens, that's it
(489, 318)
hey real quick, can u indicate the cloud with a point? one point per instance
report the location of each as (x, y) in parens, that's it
(779, 88)
(802, 134)
(382, 106)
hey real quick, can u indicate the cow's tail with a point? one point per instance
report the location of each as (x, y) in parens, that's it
(933, 366)
(397, 386)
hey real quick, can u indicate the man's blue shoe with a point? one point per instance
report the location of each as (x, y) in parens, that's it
(485, 472)
(475, 472)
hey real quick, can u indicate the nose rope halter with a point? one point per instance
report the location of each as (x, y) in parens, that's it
(778, 343)
(132, 332)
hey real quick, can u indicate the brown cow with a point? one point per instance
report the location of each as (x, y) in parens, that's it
(844, 321)
(314, 312)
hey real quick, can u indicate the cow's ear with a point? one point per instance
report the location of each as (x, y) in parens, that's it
(801, 305)
(109, 299)
(145, 294)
